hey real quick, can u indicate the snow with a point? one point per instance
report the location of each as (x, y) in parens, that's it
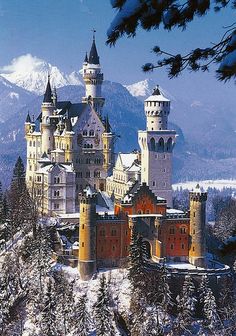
(14, 95)
(31, 73)
(174, 211)
(205, 184)
(128, 159)
(130, 7)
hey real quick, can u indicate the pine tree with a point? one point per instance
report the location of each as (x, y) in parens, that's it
(4, 301)
(48, 323)
(137, 261)
(186, 302)
(153, 327)
(102, 313)
(81, 317)
(65, 301)
(209, 305)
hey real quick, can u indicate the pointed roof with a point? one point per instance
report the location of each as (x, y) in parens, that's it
(86, 58)
(28, 119)
(107, 125)
(93, 55)
(48, 93)
(156, 91)
(157, 95)
(68, 125)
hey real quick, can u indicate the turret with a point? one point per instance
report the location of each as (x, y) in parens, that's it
(108, 146)
(157, 109)
(87, 235)
(46, 127)
(93, 78)
(27, 124)
(69, 135)
(197, 248)
(157, 144)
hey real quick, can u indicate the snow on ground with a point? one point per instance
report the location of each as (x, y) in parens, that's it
(218, 184)
(120, 286)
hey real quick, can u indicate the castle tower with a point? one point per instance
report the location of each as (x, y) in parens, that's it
(93, 78)
(27, 124)
(87, 235)
(108, 147)
(157, 144)
(197, 247)
(46, 127)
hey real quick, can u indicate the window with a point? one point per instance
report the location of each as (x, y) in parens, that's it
(113, 232)
(56, 193)
(183, 229)
(56, 206)
(39, 178)
(97, 174)
(171, 246)
(113, 248)
(56, 179)
(83, 226)
(88, 161)
(85, 132)
(182, 246)
(193, 248)
(91, 132)
(172, 230)
(102, 232)
(87, 174)
(82, 244)
(153, 183)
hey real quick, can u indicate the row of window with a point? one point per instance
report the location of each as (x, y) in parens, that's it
(89, 160)
(90, 133)
(172, 246)
(96, 174)
(182, 230)
(155, 103)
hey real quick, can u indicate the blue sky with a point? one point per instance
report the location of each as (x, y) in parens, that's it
(59, 31)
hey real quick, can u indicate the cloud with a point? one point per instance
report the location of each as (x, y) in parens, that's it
(24, 64)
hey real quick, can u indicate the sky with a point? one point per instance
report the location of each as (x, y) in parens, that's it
(60, 32)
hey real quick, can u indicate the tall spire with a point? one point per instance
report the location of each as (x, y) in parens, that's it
(28, 119)
(86, 58)
(107, 125)
(48, 93)
(93, 55)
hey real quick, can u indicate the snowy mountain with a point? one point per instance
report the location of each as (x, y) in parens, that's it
(144, 89)
(31, 72)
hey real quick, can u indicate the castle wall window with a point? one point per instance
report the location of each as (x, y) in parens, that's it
(56, 206)
(97, 174)
(39, 179)
(56, 180)
(193, 248)
(171, 246)
(85, 132)
(113, 248)
(172, 230)
(113, 232)
(183, 230)
(30, 143)
(88, 174)
(82, 244)
(34, 143)
(91, 132)
(182, 246)
(56, 193)
(102, 232)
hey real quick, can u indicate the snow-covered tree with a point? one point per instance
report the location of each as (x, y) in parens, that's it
(48, 319)
(82, 318)
(5, 303)
(208, 302)
(103, 315)
(186, 302)
(137, 261)
(65, 301)
(177, 14)
(153, 325)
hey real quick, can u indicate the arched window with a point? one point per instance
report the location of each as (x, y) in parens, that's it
(152, 144)
(169, 145)
(91, 132)
(85, 132)
(160, 146)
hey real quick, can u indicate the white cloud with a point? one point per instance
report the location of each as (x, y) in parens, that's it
(25, 64)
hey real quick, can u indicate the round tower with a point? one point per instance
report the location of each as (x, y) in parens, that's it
(46, 127)
(87, 235)
(197, 248)
(93, 78)
(157, 144)
(157, 109)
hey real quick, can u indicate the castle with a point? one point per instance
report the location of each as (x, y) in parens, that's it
(70, 161)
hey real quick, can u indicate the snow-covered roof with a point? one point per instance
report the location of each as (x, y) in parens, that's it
(128, 159)
(66, 167)
(144, 215)
(157, 96)
(174, 211)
